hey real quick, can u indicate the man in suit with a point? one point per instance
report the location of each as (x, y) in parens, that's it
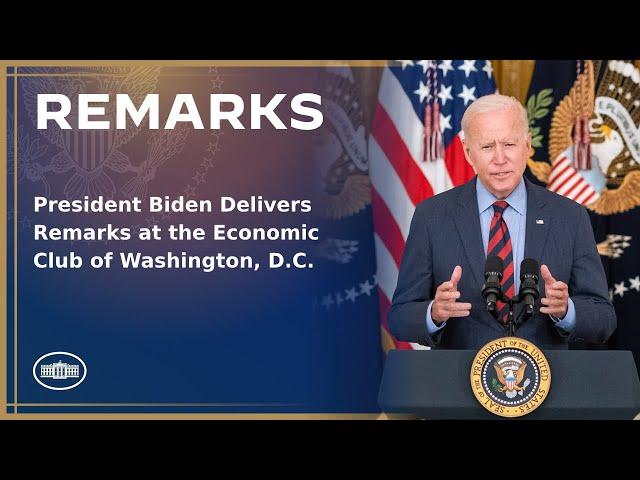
(438, 300)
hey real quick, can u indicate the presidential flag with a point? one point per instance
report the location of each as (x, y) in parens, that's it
(415, 152)
(584, 117)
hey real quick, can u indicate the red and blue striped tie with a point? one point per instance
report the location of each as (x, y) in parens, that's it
(500, 245)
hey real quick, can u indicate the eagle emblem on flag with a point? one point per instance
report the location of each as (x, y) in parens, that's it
(93, 157)
(342, 149)
(594, 139)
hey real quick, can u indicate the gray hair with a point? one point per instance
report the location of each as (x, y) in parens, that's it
(492, 103)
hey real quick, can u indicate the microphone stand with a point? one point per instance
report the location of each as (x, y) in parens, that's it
(512, 325)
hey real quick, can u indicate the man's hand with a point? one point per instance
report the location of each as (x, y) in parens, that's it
(445, 303)
(556, 295)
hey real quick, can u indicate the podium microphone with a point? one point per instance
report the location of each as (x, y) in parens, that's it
(529, 283)
(491, 290)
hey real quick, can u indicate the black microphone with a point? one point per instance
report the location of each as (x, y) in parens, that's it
(529, 283)
(491, 291)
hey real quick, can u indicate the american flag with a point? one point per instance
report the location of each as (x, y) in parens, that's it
(400, 175)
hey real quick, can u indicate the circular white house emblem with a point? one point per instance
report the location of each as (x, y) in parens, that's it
(59, 370)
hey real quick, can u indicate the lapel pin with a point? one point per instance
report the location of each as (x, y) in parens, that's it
(540, 222)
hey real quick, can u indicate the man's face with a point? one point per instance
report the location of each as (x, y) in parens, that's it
(498, 149)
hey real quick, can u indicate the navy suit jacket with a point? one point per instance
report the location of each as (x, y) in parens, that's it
(445, 232)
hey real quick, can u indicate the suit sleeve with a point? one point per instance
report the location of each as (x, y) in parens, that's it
(595, 315)
(407, 316)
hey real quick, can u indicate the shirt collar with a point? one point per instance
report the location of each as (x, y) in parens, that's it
(516, 200)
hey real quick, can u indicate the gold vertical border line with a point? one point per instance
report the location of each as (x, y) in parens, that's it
(15, 239)
(3, 240)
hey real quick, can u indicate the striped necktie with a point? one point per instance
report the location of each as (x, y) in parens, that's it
(500, 245)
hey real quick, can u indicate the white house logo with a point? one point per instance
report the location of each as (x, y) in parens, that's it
(59, 371)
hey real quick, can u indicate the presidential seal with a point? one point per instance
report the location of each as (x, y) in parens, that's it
(510, 377)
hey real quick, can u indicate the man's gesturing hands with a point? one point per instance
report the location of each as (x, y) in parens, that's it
(445, 304)
(556, 295)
